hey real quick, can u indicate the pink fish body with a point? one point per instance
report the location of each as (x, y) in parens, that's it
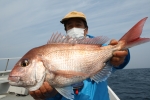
(64, 61)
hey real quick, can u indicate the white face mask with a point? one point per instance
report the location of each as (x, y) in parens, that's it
(76, 32)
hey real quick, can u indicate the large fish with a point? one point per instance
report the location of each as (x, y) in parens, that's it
(64, 61)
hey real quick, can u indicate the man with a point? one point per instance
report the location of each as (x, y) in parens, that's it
(76, 26)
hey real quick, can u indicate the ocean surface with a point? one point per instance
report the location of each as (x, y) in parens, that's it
(131, 84)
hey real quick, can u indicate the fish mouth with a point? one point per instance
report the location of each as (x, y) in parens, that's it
(16, 81)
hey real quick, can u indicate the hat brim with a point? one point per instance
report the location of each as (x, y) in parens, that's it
(65, 19)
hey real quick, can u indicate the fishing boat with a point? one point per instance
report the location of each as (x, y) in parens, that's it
(8, 92)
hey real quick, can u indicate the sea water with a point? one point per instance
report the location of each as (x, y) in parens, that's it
(131, 84)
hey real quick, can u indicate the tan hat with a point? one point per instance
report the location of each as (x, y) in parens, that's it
(73, 14)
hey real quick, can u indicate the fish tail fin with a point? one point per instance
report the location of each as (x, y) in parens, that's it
(132, 37)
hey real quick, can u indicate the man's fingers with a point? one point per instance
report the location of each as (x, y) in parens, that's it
(52, 92)
(120, 53)
(118, 56)
(44, 91)
(113, 42)
(48, 87)
(39, 94)
(32, 93)
(116, 64)
(117, 59)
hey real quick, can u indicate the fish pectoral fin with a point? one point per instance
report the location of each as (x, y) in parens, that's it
(103, 74)
(70, 74)
(67, 92)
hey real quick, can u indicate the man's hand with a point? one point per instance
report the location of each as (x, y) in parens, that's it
(118, 56)
(45, 91)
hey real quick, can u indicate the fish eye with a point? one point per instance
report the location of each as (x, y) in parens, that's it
(25, 62)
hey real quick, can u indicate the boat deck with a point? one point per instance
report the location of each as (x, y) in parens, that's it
(8, 92)
(12, 96)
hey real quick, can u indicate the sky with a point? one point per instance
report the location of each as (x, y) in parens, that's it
(25, 24)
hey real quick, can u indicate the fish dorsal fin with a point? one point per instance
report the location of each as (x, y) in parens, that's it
(58, 38)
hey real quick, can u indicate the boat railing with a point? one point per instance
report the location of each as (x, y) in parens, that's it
(14, 60)
(4, 73)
